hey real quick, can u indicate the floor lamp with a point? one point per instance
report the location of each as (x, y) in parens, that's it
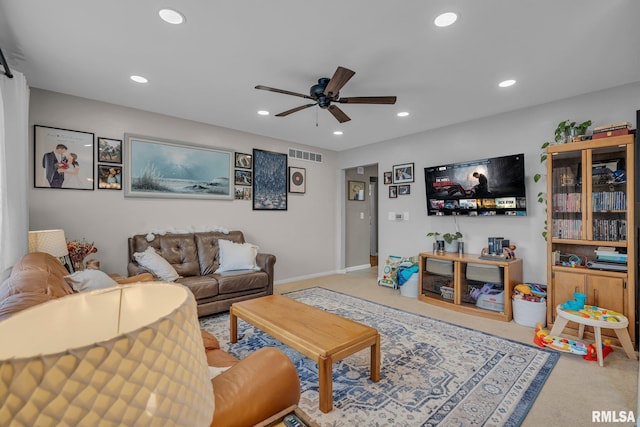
(129, 355)
(52, 242)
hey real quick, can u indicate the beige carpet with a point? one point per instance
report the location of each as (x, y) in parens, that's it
(574, 389)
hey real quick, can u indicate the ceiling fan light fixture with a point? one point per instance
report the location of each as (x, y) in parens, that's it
(507, 83)
(263, 112)
(445, 19)
(171, 16)
(139, 79)
(403, 114)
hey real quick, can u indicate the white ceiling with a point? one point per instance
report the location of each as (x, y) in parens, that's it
(206, 69)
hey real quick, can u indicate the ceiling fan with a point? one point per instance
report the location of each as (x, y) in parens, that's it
(327, 91)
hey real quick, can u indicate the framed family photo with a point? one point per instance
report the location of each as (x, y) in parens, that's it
(109, 150)
(63, 158)
(244, 161)
(110, 177)
(356, 190)
(393, 191)
(156, 167)
(403, 173)
(243, 177)
(388, 178)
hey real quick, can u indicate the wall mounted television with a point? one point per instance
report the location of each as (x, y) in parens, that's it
(486, 187)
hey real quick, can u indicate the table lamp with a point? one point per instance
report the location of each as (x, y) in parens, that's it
(52, 242)
(123, 356)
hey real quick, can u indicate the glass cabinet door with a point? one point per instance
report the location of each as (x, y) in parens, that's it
(607, 206)
(567, 199)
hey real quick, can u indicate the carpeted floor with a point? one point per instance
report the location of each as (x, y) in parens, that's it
(433, 372)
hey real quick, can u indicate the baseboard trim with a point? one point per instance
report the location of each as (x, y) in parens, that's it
(308, 276)
(358, 267)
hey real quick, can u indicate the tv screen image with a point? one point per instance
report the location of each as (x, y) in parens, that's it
(494, 186)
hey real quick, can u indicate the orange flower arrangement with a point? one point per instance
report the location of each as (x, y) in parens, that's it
(79, 250)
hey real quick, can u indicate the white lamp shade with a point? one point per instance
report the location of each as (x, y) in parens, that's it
(49, 241)
(128, 355)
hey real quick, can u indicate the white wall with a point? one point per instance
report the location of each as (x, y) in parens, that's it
(521, 131)
(303, 238)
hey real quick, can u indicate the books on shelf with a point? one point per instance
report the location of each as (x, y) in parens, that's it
(612, 126)
(613, 129)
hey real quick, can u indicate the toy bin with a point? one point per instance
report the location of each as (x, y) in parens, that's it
(410, 287)
(529, 313)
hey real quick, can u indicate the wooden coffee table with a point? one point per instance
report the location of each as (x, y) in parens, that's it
(321, 336)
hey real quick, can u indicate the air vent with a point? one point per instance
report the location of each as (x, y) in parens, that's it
(305, 155)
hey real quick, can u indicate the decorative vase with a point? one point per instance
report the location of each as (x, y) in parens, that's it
(78, 265)
(451, 247)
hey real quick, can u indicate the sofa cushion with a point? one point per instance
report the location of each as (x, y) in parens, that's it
(236, 256)
(208, 251)
(241, 280)
(156, 264)
(179, 250)
(89, 280)
(201, 286)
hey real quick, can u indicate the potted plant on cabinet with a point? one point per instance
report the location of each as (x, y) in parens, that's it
(450, 240)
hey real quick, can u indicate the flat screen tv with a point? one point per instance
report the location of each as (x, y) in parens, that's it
(489, 187)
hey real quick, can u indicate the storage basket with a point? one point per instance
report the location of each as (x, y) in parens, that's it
(447, 292)
(529, 313)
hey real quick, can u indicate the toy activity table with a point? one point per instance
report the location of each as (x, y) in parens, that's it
(598, 318)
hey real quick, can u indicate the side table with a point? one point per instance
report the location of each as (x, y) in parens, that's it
(619, 327)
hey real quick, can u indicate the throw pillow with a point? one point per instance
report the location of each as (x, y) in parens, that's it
(237, 256)
(89, 280)
(157, 265)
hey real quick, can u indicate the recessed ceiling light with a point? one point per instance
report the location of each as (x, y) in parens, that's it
(171, 16)
(263, 112)
(337, 132)
(139, 79)
(403, 114)
(445, 19)
(507, 83)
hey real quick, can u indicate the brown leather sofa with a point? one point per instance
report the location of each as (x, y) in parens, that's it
(250, 391)
(195, 257)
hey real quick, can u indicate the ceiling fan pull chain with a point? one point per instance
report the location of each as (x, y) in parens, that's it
(317, 108)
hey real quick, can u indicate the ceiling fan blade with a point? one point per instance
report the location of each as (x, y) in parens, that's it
(294, 110)
(368, 100)
(339, 79)
(286, 92)
(338, 114)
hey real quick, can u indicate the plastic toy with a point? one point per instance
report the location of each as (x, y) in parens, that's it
(576, 304)
(595, 313)
(541, 338)
(592, 355)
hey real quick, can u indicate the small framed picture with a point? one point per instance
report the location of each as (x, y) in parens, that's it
(404, 189)
(244, 161)
(243, 177)
(403, 173)
(242, 192)
(297, 180)
(393, 191)
(109, 150)
(388, 178)
(356, 190)
(109, 177)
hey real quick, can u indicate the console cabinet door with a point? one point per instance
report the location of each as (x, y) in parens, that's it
(606, 292)
(564, 286)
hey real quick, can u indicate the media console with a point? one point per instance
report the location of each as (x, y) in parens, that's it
(449, 279)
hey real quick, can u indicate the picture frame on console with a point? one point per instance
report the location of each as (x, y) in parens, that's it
(269, 181)
(403, 173)
(63, 158)
(162, 168)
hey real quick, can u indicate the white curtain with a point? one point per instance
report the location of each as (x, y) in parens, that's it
(14, 169)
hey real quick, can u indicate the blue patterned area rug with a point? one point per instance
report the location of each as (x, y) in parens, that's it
(432, 372)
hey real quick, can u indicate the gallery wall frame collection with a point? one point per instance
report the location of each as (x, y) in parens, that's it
(243, 176)
(156, 167)
(109, 164)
